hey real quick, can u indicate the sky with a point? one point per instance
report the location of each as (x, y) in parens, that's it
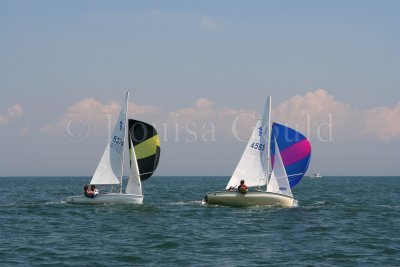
(200, 71)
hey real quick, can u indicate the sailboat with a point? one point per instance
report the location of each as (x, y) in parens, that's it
(275, 159)
(144, 153)
(316, 175)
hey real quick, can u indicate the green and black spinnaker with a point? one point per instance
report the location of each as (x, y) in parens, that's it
(146, 142)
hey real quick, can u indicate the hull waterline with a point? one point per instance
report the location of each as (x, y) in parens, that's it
(251, 198)
(113, 198)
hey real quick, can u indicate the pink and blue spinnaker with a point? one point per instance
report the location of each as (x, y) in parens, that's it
(295, 151)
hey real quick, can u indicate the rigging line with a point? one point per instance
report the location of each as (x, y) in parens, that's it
(126, 177)
(289, 175)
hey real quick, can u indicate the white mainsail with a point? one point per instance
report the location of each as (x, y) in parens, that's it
(278, 182)
(134, 185)
(109, 170)
(253, 166)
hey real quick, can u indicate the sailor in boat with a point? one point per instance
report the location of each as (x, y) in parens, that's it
(242, 188)
(94, 190)
(86, 190)
(91, 191)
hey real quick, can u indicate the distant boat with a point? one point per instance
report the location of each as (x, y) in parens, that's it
(316, 175)
(144, 153)
(278, 148)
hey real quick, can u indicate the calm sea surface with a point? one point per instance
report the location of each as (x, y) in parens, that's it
(341, 221)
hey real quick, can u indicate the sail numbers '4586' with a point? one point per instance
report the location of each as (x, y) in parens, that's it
(258, 146)
(117, 144)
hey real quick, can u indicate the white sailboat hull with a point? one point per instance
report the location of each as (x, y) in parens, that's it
(251, 198)
(112, 198)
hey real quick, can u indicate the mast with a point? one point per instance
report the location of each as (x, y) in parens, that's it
(268, 107)
(125, 130)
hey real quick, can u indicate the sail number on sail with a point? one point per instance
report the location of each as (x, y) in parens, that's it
(258, 146)
(117, 144)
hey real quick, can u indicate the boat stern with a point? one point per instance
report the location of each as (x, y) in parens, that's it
(112, 198)
(251, 198)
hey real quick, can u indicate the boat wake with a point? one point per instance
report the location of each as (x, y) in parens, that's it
(320, 203)
(187, 203)
(313, 205)
(31, 204)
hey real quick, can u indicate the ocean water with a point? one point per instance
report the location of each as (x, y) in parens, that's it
(340, 221)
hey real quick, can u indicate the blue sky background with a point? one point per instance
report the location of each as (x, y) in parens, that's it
(170, 54)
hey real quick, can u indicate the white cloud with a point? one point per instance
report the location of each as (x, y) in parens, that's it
(201, 22)
(317, 103)
(12, 113)
(203, 103)
(209, 24)
(383, 122)
(91, 117)
(86, 115)
(316, 114)
(136, 109)
(203, 119)
(49, 129)
(202, 111)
